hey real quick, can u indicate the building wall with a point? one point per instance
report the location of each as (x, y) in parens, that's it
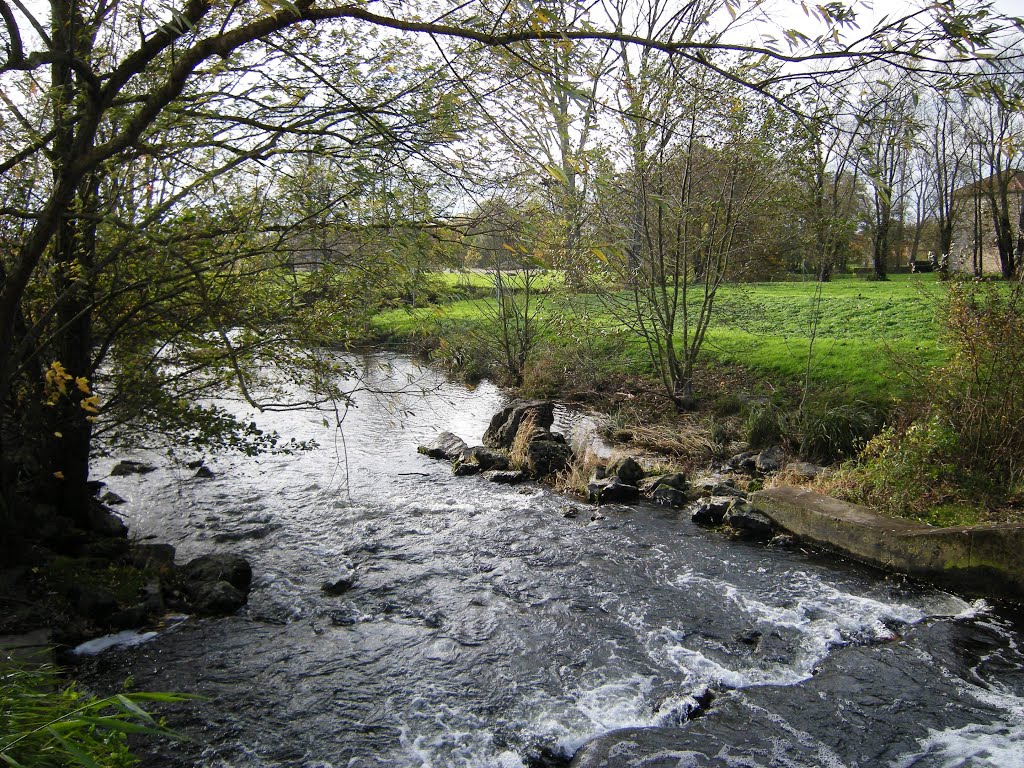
(965, 237)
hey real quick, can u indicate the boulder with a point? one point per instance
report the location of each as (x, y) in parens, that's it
(233, 569)
(667, 496)
(501, 432)
(445, 446)
(112, 499)
(129, 467)
(711, 510)
(547, 455)
(505, 476)
(747, 521)
(204, 473)
(627, 470)
(770, 460)
(217, 598)
(611, 490)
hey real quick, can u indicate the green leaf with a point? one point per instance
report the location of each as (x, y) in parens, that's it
(75, 751)
(557, 174)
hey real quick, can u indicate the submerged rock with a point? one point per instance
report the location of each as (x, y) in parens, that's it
(204, 473)
(342, 581)
(445, 446)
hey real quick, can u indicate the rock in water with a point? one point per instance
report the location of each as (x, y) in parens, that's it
(216, 598)
(749, 522)
(667, 496)
(129, 467)
(611, 490)
(547, 454)
(711, 511)
(445, 446)
(501, 432)
(505, 476)
(212, 568)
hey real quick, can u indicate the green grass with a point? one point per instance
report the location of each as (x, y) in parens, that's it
(866, 329)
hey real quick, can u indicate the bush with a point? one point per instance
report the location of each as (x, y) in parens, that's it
(833, 433)
(964, 451)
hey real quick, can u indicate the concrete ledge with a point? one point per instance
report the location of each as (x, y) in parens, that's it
(983, 559)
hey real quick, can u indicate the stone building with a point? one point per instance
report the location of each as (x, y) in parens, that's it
(975, 248)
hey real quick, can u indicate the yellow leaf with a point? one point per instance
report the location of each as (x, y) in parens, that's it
(58, 434)
(59, 475)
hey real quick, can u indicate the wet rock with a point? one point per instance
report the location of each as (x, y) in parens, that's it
(112, 499)
(667, 496)
(204, 473)
(196, 464)
(770, 460)
(217, 598)
(486, 458)
(571, 512)
(131, 617)
(501, 432)
(94, 486)
(627, 470)
(465, 468)
(129, 467)
(233, 569)
(548, 454)
(611, 490)
(445, 446)
(743, 518)
(342, 581)
(505, 476)
(711, 510)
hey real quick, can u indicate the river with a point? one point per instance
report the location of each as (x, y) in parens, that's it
(487, 629)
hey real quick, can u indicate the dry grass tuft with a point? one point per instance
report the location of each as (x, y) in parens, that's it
(518, 456)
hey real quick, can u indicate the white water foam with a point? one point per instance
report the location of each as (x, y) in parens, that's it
(125, 639)
(978, 746)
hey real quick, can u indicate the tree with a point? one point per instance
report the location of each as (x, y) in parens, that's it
(179, 107)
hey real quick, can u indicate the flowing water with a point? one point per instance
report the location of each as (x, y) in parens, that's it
(487, 629)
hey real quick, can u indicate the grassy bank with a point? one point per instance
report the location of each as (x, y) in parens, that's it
(864, 330)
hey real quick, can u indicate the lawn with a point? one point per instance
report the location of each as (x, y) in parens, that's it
(866, 331)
